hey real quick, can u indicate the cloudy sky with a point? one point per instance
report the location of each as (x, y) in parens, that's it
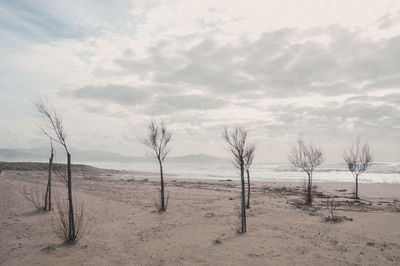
(325, 70)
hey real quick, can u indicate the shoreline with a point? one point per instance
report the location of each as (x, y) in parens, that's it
(319, 177)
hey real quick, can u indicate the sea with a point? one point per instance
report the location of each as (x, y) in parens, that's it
(379, 172)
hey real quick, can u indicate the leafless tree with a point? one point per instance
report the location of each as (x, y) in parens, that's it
(47, 198)
(157, 139)
(307, 158)
(55, 131)
(358, 158)
(247, 164)
(237, 141)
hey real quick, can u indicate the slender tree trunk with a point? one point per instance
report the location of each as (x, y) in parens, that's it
(243, 198)
(162, 187)
(357, 188)
(71, 208)
(47, 200)
(309, 188)
(248, 188)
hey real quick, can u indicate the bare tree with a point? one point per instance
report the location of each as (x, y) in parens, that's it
(307, 158)
(247, 163)
(47, 198)
(240, 150)
(358, 158)
(55, 131)
(157, 139)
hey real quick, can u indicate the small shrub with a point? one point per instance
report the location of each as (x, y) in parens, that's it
(331, 205)
(34, 196)
(217, 241)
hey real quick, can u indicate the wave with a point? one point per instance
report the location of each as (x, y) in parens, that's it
(381, 172)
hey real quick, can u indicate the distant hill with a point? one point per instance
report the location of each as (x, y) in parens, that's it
(40, 154)
(196, 158)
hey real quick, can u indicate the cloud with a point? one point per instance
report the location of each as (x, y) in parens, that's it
(123, 95)
(286, 62)
(168, 103)
(388, 20)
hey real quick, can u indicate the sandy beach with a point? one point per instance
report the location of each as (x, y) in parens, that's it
(199, 226)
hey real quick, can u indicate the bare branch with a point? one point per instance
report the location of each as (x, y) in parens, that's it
(249, 156)
(55, 124)
(157, 139)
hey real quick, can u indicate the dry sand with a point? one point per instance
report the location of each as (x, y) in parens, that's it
(199, 227)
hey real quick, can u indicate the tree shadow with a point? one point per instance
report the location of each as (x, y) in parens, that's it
(33, 213)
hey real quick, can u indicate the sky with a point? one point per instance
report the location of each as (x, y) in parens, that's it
(326, 71)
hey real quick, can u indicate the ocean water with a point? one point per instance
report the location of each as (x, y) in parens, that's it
(378, 173)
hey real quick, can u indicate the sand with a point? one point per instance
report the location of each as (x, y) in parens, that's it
(199, 227)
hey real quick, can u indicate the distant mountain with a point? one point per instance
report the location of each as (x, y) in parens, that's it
(196, 158)
(41, 154)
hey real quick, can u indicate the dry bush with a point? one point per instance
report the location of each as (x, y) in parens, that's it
(61, 225)
(396, 205)
(331, 205)
(34, 196)
(158, 205)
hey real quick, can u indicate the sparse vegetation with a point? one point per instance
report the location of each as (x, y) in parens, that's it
(358, 158)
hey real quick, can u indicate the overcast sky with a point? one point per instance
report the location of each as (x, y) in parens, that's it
(325, 70)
